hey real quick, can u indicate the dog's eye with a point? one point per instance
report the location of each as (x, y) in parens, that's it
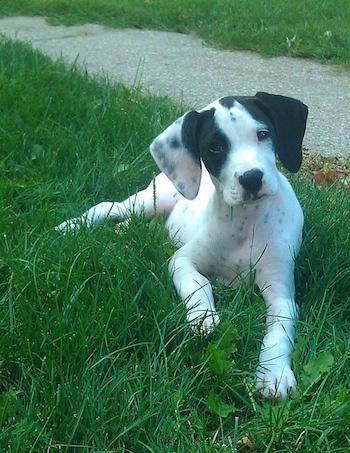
(262, 134)
(216, 148)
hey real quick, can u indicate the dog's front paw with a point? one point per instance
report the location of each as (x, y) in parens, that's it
(202, 321)
(275, 379)
(69, 225)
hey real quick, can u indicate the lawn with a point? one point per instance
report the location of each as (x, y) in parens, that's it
(306, 28)
(95, 351)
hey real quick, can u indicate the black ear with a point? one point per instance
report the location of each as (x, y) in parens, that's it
(289, 117)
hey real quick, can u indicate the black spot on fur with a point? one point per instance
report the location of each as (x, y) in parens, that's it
(174, 143)
(227, 101)
(180, 186)
(160, 153)
(158, 145)
(168, 166)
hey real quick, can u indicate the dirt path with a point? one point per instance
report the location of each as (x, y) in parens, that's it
(181, 67)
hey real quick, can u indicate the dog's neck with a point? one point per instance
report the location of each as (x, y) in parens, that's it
(226, 213)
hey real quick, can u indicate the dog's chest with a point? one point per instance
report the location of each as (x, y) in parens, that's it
(232, 251)
(224, 245)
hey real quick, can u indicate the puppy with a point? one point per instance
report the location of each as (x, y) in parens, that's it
(231, 212)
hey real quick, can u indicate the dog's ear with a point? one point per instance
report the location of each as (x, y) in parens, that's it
(176, 152)
(289, 117)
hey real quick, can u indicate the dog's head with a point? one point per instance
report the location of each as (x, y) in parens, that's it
(237, 139)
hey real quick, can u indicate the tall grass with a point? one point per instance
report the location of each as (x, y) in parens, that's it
(297, 28)
(95, 351)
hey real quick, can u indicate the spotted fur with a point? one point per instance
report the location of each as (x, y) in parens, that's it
(231, 212)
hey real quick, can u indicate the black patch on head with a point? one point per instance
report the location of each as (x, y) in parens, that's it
(203, 138)
(227, 102)
(213, 145)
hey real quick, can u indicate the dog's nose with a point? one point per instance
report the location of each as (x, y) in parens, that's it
(251, 180)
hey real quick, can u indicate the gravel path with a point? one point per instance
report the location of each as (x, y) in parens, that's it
(181, 67)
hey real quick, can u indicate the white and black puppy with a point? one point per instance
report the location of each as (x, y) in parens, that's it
(231, 213)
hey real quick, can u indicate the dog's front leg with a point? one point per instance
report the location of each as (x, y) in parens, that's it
(274, 374)
(159, 197)
(93, 216)
(195, 291)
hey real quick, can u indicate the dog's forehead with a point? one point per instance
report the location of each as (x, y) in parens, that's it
(235, 112)
(250, 104)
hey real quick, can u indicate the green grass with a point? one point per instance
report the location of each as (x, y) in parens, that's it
(306, 28)
(95, 351)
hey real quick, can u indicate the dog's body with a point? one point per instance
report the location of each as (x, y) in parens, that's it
(231, 212)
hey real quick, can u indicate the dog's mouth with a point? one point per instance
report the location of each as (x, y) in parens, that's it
(236, 197)
(251, 197)
(247, 199)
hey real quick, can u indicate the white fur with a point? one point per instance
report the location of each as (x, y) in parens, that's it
(222, 234)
